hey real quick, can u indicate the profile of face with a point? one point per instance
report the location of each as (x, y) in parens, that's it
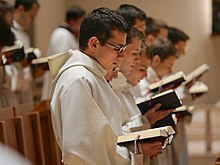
(131, 56)
(139, 71)
(111, 54)
(164, 67)
(181, 47)
(26, 18)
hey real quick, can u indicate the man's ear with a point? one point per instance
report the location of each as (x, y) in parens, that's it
(93, 43)
(21, 8)
(156, 59)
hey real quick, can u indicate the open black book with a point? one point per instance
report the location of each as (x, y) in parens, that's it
(163, 134)
(32, 54)
(40, 64)
(16, 52)
(168, 99)
(171, 82)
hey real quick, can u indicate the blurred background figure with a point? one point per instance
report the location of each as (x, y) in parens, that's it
(20, 72)
(63, 38)
(7, 11)
(24, 16)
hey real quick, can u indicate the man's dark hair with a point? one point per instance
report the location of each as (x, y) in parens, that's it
(7, 37)
(26, 3)
(100, 23)
(175, 35)
(134, 33)
(74, 13)
(152, 27)
(131, 13)
(164, 49)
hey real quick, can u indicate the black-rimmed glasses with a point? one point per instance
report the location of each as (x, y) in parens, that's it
(117, 48)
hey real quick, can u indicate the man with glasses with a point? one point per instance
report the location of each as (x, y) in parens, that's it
(85, 111)
(119, 49)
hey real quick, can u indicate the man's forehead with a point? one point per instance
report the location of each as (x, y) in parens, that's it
(119, 37)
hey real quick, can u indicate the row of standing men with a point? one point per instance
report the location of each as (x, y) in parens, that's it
(106, 107)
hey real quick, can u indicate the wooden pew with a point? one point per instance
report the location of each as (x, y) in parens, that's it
(7, 127)
(28, 132)
(51, 149)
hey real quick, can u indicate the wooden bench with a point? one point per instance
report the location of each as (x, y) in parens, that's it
(7, 127)
(29, 133)
(51, 149)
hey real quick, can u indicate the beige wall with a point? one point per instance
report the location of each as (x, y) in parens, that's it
(194, 17)
(50, 15)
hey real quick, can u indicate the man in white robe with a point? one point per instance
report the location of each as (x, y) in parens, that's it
(86, 113)
(63, 38)
(21, 77)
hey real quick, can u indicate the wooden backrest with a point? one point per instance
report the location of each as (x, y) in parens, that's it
(24, 131)
(29, 133)
(7, 127)
(51, 149)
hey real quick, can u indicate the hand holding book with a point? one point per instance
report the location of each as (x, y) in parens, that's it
(162, 135)
(153, 115)
(152, 149)
(167, 99)
(193, 76)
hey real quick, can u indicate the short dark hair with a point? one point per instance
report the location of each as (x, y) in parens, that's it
(131, 13)
(164, 49)
(100, 23)
(152, 27)
(26, 3)
(175, 35)
(74, 13)
(7, 36)
(134, 33)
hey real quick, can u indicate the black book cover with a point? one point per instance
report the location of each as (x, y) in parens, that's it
(168, 99)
